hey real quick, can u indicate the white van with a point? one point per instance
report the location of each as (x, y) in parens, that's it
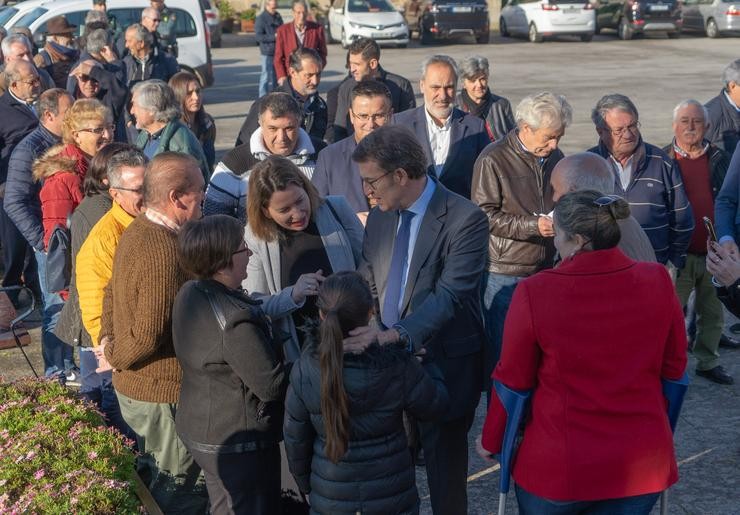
(377, 19)
(193, 36)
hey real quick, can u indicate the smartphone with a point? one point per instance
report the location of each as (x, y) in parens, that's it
(710, 228)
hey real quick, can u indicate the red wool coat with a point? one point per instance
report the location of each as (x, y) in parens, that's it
(593, 338)
(286, 41)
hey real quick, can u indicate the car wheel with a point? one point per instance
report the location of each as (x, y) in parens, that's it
(483, 39)
(712, 29)
(674, 35)
(402, 45)
(502, 28)
(625, 31)
(534, 35)
(587, 37)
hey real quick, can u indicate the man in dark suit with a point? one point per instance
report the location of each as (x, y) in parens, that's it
(451, 138)
(424, 254)
(336, 173)
(19, 118)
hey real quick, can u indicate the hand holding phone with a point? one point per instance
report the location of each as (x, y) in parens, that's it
(710, 228)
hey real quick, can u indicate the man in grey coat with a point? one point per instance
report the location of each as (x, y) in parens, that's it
(424, 253)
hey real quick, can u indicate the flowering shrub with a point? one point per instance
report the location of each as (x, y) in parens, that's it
(56, 456)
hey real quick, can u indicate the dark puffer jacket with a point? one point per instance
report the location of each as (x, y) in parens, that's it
(376, 475)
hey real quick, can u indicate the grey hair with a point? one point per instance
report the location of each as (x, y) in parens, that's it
(544, 110)
(49, 101)
(141, 34)
(13, 73)
(128, 157)
(731, 73)
(97, 40)
(94, 16)
(691, 102)
(438, 59)
(149, 12)
(12, 40)
(609, 102)
(473, 66)
(158, 98)
(302, 2)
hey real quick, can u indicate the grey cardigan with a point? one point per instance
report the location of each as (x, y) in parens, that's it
(342, 236)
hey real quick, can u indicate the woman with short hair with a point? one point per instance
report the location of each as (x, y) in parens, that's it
(298, 239)
(190, 95)
(476, 98)
(230, 411)
(592, 338)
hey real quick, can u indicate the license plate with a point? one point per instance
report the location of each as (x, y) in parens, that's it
(571, 10)
(658, 7)
(379, 35)
(462, 9)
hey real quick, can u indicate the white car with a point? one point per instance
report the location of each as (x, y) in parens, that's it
(193, 36)
(377, 19)
(537, 19)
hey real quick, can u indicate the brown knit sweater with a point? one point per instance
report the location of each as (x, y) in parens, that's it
(137, 311)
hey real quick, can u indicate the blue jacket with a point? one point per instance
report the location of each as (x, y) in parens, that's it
(658, 201)
(726, 216)
(265, 27)
(22, 202)
(337, 174)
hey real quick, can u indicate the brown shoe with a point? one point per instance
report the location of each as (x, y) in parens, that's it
(717, 375)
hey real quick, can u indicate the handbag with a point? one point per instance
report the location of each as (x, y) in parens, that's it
(59, 260)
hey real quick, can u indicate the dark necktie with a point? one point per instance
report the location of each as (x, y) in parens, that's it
(390, 314)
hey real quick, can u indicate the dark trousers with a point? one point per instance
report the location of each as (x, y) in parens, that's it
(18, 258)
(445, 447)
(242, 483)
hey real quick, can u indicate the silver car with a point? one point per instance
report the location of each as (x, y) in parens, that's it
(715, 17)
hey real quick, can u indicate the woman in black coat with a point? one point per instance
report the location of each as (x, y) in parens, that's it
(344, 432)
(233, 382)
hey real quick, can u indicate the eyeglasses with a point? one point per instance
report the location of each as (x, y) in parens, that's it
(372, 182)
(32, 82)
(98, 130)
(621, 131)
(132, 190)
(87, 78)
(155, 20)
(367, 117)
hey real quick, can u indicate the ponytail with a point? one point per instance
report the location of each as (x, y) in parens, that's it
(334, 404)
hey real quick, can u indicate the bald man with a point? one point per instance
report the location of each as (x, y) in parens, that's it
(588, 171)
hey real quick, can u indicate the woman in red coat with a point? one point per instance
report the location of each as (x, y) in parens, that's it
(592, 338)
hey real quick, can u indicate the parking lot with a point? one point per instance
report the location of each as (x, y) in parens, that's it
(656, 73)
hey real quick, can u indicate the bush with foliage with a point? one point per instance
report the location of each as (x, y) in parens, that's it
(57, 456)
(225, 10)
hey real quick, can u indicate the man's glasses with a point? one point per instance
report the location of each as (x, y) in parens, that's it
(156, 20)
(32, 82)
(621, 131)
(132, 190)
(98, 130)
(370, 183)
(87, 78)
(380, 117)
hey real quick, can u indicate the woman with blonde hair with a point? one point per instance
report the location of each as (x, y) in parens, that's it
(298, 238)
(87, 127)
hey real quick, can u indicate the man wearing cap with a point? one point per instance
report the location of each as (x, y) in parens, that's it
(59, 54)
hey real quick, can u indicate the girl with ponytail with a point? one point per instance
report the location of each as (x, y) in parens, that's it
(344, 433)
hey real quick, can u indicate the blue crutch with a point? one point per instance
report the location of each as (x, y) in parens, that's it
(674, 392)
(515, 404)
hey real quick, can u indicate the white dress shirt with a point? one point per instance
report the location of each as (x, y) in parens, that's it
(439, 140)
(624, 172)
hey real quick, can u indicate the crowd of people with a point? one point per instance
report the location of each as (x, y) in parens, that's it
(336, 291)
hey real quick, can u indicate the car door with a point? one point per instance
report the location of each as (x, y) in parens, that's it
(336, 18)
(692, 17)
(608, 13)
(518, 18)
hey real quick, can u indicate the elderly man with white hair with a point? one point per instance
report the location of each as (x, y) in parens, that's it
(17, 47)
(646, 177)
(724, 111)
(157, 113)
(511, 184)
(703, 167)
(451, 139)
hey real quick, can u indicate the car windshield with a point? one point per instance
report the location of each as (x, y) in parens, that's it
(6, 13)
(31, 16)
(370, 6)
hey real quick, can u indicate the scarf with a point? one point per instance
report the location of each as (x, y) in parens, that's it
(59, 52)
(479, 110)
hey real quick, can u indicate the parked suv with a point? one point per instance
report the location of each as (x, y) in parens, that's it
(437, 19)
(631, 17)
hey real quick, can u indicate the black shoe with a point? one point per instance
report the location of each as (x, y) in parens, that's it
(717, 375)
(729, 342)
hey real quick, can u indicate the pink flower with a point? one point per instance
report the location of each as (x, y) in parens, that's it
(30, 455)
(92, 455)
(39, 474)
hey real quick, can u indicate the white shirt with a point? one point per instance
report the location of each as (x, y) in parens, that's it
(624, 172)
(300, 34)
(419, 208)
(439, 140)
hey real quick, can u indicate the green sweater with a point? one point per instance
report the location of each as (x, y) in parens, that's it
(176, 137)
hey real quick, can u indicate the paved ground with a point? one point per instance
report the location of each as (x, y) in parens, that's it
(656, 73)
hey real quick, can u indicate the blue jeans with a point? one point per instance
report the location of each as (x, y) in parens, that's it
(497, 292)
(58, 356)
(98, 389)
(268, 79)
(530, 504)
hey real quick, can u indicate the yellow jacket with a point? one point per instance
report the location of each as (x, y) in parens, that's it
(94, 266)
